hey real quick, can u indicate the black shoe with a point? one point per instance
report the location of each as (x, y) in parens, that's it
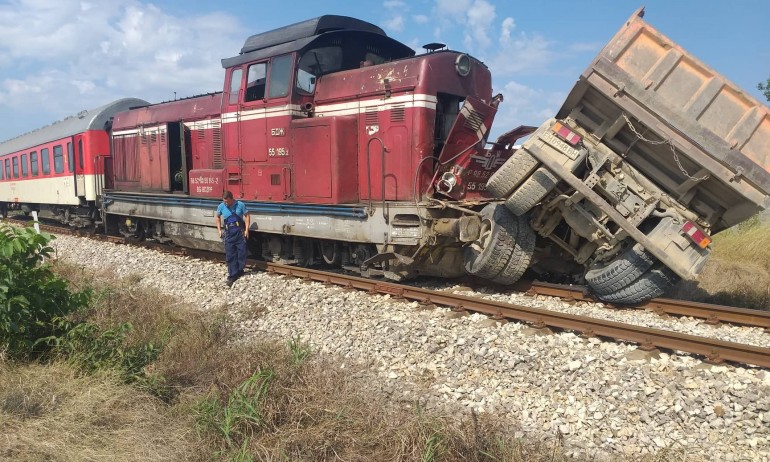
(229, 282)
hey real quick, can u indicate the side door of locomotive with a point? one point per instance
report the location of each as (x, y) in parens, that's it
(279, 112)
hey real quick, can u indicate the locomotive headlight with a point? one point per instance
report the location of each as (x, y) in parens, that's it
(463, 65)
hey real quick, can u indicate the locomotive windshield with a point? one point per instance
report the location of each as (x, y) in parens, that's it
(345, 51)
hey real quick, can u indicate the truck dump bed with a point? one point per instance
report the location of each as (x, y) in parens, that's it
(683, 125)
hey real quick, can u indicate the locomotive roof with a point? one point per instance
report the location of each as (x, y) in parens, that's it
(296, 36)
(92, 119)
(305, 29)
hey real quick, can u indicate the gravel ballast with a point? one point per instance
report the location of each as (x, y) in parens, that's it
(593, 393)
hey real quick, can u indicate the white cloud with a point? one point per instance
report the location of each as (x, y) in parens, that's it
(420, 19)
(394, 5)
(475, 16)
(480, 16)
(524, 105)
(505, 30)
(70, 55)
(523, 53)
(395, 24)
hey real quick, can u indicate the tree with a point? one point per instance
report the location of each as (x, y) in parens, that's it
(765, 88)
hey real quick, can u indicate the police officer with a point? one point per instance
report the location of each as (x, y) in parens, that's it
(234, 231)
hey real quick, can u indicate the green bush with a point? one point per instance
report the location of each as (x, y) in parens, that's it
(32, 297)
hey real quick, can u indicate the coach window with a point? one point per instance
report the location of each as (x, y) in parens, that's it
(70, 158)
(24, 169)
(45, 161)
(256, 82)
(7, 169)
(15, 163)
(235, 86)
(58, 159)
(33, 162)
(280, 74)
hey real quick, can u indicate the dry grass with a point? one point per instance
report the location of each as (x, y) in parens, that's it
(302, 409)
(738, 272)
(48, 413)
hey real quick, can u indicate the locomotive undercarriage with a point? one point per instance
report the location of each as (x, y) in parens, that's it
(398, 242)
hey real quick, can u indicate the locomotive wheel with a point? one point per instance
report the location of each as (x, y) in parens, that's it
(654, 283)
(610, 277)
(511, 174)
(532, 191)
(497, 255)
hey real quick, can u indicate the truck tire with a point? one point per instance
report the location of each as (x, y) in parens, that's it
(654, 283)
(520, 165)
(487, 257)
(610, 277)
(521, 255)
(532, 191)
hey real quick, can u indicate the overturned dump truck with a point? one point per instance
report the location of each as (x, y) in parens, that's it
(651, 154)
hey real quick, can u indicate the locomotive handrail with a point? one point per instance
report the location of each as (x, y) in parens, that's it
(369, 176)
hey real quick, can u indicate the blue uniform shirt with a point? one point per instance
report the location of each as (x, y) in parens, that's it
(224, 212)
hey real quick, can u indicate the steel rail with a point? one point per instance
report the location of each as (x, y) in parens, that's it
(713, 314)
(713, 350)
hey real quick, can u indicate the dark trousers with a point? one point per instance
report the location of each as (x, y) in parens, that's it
(235, 251)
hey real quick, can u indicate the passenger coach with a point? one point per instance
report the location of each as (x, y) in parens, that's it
(59, 170)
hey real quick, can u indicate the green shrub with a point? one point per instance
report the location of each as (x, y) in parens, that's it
(90, 350)
(32, 297)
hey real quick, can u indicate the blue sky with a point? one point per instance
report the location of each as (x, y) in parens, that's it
(57, 58)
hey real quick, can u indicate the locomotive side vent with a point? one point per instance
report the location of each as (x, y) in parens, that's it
(217, 142)
(275, 179)
(371, 116)
(474, 120)
(398, 113)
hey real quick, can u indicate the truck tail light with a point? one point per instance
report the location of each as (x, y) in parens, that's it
(696, 235)
(566, 134)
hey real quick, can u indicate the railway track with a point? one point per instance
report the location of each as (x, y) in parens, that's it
(713, 350)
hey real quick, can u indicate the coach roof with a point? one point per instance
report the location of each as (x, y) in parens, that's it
(93, 119)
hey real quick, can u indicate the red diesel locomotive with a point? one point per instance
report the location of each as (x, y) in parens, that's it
(347, 149)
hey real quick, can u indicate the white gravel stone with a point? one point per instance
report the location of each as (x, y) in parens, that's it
(585, 389)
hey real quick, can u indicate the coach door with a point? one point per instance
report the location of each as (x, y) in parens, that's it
(75, 163)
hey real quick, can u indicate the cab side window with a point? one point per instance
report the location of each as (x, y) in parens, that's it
(280, 74)
(235, 88)
(256, 82)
